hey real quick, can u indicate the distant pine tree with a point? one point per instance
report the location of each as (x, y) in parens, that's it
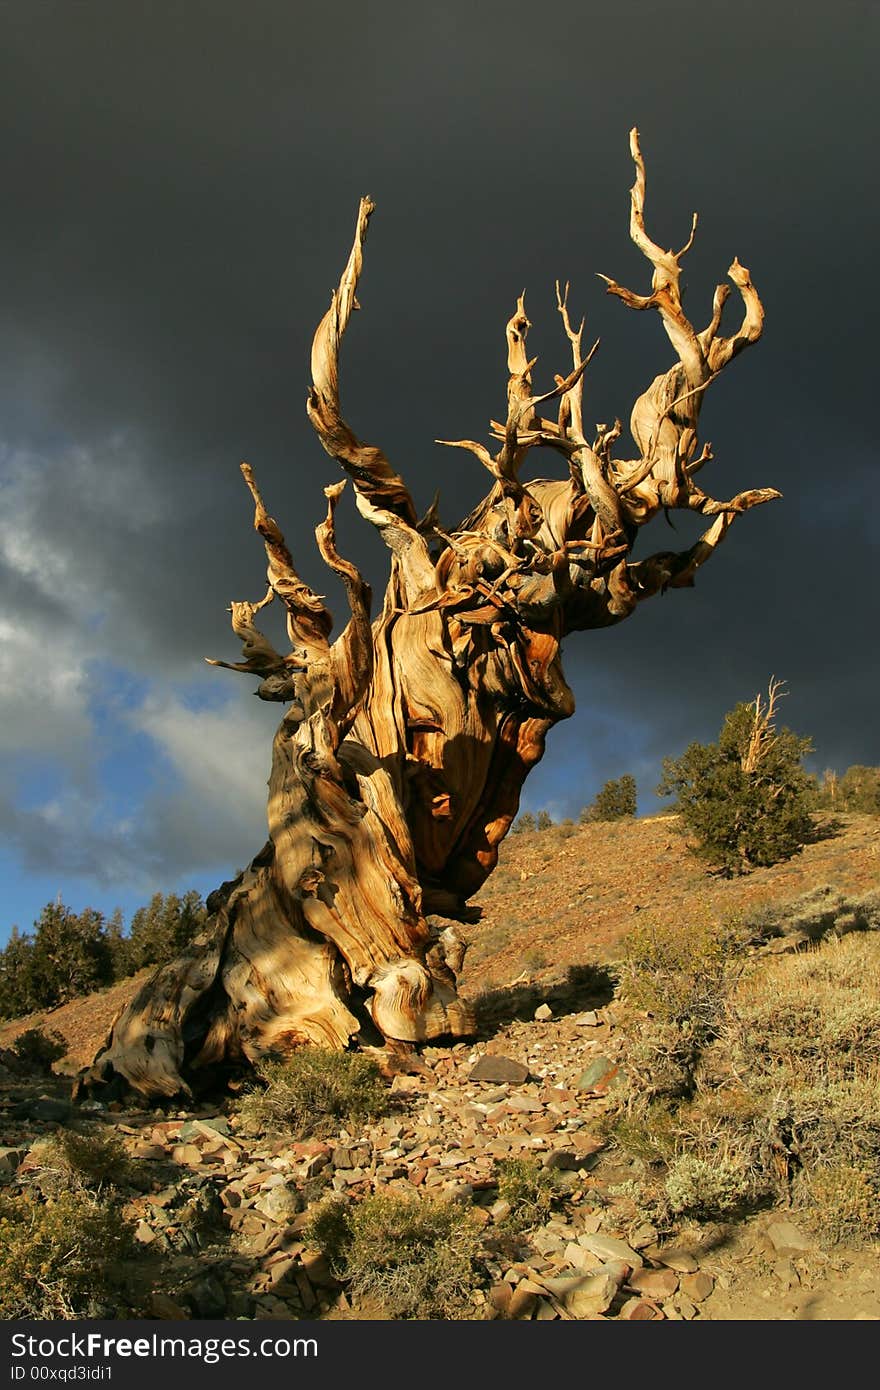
(163, 929)
(615, 801)
(857, 790)
(70, 955)
(16, 975)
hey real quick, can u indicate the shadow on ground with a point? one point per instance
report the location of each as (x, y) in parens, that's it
(584, 987)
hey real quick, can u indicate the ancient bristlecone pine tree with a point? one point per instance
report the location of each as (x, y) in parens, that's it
(398, 765)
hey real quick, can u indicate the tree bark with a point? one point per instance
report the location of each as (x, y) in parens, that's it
(398, 765)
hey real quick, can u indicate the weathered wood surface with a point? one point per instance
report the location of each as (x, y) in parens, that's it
(398, 766)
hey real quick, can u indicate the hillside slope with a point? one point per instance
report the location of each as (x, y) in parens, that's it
(567, 897)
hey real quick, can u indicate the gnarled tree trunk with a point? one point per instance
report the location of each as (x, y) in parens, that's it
(398, 765)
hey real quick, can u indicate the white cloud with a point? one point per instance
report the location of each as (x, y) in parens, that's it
(44, 698)
(221, 756)
(208, 814)
(87, 616)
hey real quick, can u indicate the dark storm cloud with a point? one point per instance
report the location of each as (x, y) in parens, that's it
(180, 184)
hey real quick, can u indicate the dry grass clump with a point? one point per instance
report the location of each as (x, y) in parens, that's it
(81, 1162)
(844, 1201)
(679, 974)
(313, 1092)
(531, 1190)
(679, 978)
(785, 1095)
(60, 1259)
(707, 1188)
(822, 1006)
(823, 911)
(411, 1257)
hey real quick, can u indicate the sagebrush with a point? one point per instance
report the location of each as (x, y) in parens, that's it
(314, 1091)
(781, 1100)
(412, 1257)
(62, 1258)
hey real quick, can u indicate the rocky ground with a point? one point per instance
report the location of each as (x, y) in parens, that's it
(220, 1214)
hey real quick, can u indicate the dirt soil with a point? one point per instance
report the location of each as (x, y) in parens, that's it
(568, 896)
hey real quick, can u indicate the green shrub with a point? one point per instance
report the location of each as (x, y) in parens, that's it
(746, 798)
(524, 822)
(544, 821)
(38, 1049)
(314, 1091)
(61, 1259)
(413, 1257)
(616, 801)
(531, 1190)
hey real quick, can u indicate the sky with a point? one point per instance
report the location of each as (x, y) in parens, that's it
(180, 187)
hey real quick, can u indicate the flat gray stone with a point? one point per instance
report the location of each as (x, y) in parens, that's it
(697, 1286)
(610, 1248)
(579, 1258)
(207, 1297)
(195, 1129)
(598, 1073)
(562, 1160)
(583, 1294)
(673, 1257)
(529, 1105)
(281, 1203)
(787, 1240)
(494, 1068)
(655, 1283)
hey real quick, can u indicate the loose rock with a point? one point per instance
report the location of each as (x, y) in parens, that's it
(493, 1067)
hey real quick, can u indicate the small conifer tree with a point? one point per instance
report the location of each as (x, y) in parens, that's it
(745, 799)
(615, 801)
